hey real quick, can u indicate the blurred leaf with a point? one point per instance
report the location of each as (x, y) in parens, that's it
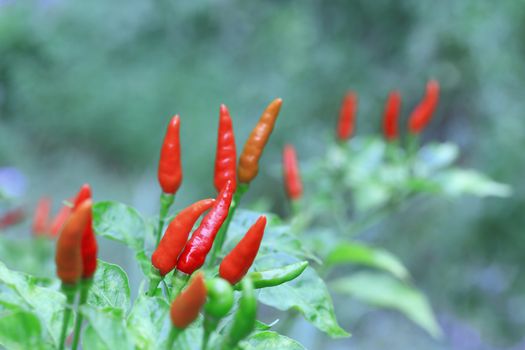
(20, 329)
(110, 287)
(456, 182)
(32, 255)
(147, 320)
(385, 291)
(271, 340)
(435, 156)
(358, 253)
(106, 330)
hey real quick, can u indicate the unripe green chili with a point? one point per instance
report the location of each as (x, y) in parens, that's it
(220, 302)
(254, 146)
(244, 319)
(275, 277)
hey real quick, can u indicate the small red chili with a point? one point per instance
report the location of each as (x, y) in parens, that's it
(170, 169)
(347, 115)
(237, 263)
(391, 116)
(423, 112)
(89, 246)
(226, 157)
(165, 257)
(41, 218)
(292, 176)
(200, 243)
(59, 220)
(185, 308)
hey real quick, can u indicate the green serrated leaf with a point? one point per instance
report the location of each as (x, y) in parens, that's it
(271, 340)
(385, 291)
(106, 329)
(147, 320)
(359, 253)
(110, 287)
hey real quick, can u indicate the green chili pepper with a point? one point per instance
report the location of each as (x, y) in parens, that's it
(244, 319)
(220, 302)
(275, 277)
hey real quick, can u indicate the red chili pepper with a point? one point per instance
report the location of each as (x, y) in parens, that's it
(254, 146)
(165, 257)
(237, 263)
(226, 158)
(423, 112)
(68, 256)
(391, 116)
(89, 242)
(200, 243)
(12, 217)
(59, 220)
(41, 218)
(186, 306)
(292, 176)
(170, 169)
(347, 114)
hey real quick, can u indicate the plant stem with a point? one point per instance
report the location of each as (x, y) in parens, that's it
(221, 235)
(166, 200)
(70, 291)
(154, 280)
(174, 333)
(167, 290)
(84, 291)
(179, 280)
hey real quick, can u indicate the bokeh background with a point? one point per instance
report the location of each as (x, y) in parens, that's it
(87, 88)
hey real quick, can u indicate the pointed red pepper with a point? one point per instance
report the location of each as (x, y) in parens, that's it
(292, 176)
(41, 218)
(165, 257)
(237, 263)
(186, 306)
(391, 116)
(226, 157)
(347, 115)
(170, 169)
(423, 112)
(200, 243)
(89, 246)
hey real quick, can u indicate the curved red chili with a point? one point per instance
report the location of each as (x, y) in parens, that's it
(170, 169)
(165, 257)
(391, 116)
(200, 243)
(186, 306)
(423, 112)
(59, 220)
(226, 157)
(89, 246)
(41, 218)
(237, 263)
(347, 114)
(292, 176)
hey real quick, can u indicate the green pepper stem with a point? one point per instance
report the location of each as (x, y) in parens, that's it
(221, 235)
(70, 291)
(174, 333)
(166, 200)
(84, 291)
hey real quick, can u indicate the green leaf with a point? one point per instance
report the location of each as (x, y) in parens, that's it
(271, 340)
(20, 329)
(119, 222)
(358, 253)
(456, 182)
(146, 321)
(110, 287)
(307, 294)
(385, 291)
(261, 326)
(106, 330)
(433, 157)
(24, 291)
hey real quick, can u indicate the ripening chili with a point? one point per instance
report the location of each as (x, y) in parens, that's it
(226, 157)
(347, 114)
(220, 297)
(237, 263)
(170, 169)
(185, 308)
(423, 112)
(41, 218)
(200, 243)
(254, 146)
(89, 242)
(68, 256)
(165, 257)
(391, 116)
(291, 174)
(244, 318)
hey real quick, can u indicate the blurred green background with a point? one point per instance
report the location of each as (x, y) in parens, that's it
(87, 88)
